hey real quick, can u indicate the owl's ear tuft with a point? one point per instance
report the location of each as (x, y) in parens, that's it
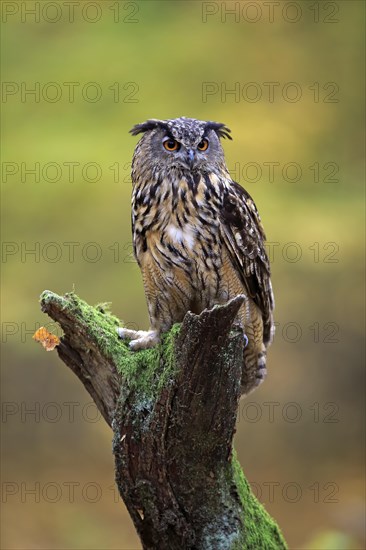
(150, 124)
(221, 130)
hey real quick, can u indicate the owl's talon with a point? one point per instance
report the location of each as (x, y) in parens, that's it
(135, 345)
(131, 345)
(127, 334)
(246, 340)
(145, 340)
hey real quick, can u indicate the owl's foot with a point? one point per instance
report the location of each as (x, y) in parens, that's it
(140, 339)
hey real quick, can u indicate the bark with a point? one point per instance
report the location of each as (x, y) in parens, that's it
(173, 411)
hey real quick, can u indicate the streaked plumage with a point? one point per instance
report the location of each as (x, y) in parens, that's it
(197, 236)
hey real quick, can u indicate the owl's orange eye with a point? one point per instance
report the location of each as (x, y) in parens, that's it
(202, 146)
(171, 144)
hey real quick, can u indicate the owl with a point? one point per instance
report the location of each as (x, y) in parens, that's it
(197, 236)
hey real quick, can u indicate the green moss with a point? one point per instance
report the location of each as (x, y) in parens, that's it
(255, 529)
(260, 531)
(147, 370)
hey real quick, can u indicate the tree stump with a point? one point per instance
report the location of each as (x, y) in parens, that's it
(172, 410)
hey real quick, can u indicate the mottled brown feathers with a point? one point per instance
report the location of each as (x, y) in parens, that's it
(197, 235)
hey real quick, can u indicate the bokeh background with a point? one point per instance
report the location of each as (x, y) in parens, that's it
(97, 69)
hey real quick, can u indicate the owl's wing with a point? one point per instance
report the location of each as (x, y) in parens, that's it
(244, 238)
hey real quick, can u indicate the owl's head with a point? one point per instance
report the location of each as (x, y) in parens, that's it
(181, 144)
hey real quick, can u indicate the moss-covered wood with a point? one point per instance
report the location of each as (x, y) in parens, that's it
(173, 410)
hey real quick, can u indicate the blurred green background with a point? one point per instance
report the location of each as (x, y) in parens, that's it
(300, 437)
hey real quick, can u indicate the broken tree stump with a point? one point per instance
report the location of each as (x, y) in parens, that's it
(172, 410)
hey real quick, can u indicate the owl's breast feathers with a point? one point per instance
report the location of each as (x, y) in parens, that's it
(206, 231)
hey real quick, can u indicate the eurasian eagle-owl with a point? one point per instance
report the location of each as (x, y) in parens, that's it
(197, 236)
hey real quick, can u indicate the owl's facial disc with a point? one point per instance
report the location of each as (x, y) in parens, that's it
(186, 155)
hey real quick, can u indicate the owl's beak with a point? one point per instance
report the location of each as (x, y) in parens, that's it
(191, 157)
